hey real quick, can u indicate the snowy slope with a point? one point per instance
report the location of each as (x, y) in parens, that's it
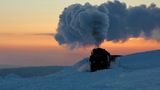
(141, 60)
(133, 72)
(27, 72)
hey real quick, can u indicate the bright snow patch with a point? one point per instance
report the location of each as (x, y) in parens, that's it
(133, 72)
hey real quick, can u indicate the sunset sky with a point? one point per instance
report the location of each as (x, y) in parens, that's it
(27, 28)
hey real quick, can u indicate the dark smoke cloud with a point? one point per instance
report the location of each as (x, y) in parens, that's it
(82, 25)
(133, 21)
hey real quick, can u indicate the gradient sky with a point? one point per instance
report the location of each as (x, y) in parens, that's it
(26, 25)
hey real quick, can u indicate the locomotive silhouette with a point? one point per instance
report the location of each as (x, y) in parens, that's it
(101, 59)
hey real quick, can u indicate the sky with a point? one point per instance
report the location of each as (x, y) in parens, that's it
(27, 28)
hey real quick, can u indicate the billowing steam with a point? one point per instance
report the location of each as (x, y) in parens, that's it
(82, 25)
(132, 22)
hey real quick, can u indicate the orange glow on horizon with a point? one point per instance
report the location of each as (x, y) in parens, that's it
(27, 41)
(44, 42)
(132, 45)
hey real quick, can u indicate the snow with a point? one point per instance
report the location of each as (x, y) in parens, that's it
(141, 60)
(28, 72)
(12, 76)
(132, 72)
(82, 66)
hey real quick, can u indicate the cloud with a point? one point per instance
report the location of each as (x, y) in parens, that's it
(131, 22)
(36, 34)
(156, 34)
(83, 25)
(44, 34)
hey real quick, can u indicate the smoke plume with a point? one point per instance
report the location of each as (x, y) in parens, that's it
(83, 25)
(132, 22)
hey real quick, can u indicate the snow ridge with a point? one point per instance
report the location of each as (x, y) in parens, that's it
(139, 71)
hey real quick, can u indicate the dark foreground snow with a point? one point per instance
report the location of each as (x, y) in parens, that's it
(133, 72)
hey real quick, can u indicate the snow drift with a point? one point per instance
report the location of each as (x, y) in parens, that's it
(139, 71)
(140, 60)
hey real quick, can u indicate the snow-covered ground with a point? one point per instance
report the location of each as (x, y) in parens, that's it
(139, 71)
(28, 72)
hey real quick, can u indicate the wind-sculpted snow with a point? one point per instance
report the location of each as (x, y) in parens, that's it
(28, 72)
(142, 76)
(83, 65)
(140, 60)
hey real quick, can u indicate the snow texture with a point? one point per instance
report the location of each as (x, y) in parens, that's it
(132, 72)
